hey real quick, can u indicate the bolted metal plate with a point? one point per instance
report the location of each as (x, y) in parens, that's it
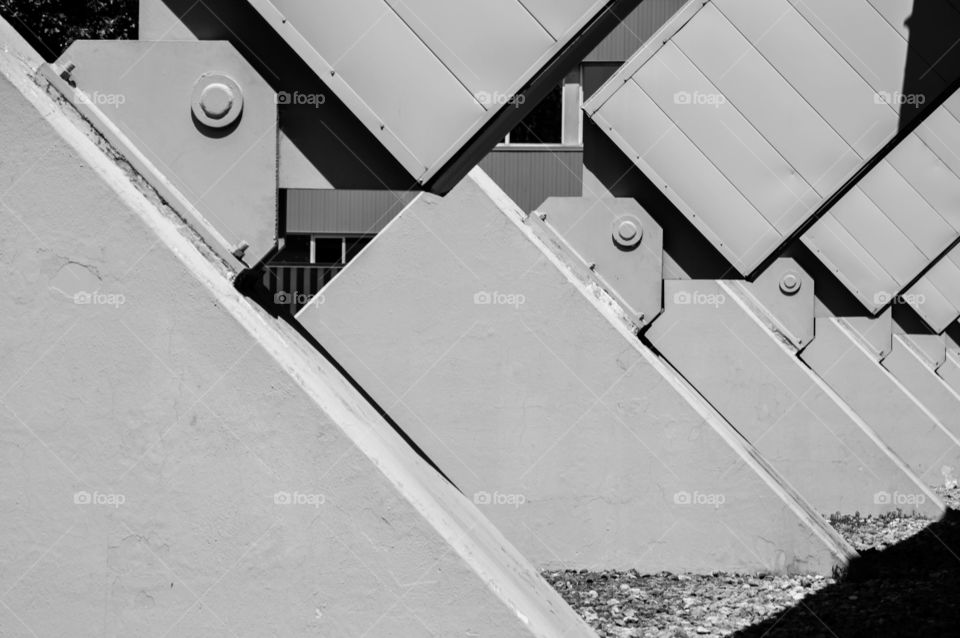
(622, 243)
(782, 298)
(148, 91)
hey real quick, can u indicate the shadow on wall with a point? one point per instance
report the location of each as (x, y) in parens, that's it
(908, 589)
(320, 125)
(933, 58)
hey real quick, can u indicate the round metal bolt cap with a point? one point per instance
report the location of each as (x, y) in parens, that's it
(217, 100)
(627, 232)
(790, 283)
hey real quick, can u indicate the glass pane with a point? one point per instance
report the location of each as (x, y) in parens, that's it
(543, 124)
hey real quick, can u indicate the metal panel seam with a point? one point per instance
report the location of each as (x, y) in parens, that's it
(790, 84)
(653, 44)
(434, 53)
(718, 169)
(797, 200)
(681, 204)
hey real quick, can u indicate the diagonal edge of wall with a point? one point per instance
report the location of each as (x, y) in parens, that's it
(501, 580)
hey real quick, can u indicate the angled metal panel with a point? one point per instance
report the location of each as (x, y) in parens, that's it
(941, 133)
(932, 305)
(879, 236)
(677, 166)
(929, 175)
(735, 147)
(777, 403)
(400, 98)
(380, 68)
(560, 16)
(767, 100)
(882, 401)
(870, 45)
(907, 209)
(936, 295)
(850, 262)
(460, 33)
(819, 73)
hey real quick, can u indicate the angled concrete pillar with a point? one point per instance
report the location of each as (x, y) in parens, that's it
(525, 387)
(176, 463)
(737, 344)
(851, 366)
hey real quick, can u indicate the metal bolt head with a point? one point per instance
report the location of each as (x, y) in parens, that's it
(627, 232)
(790, 283)
(217, 100)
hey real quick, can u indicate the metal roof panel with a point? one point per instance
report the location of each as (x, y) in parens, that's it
(691, 181)
(820, 74)
(735, 147)
(767, 100)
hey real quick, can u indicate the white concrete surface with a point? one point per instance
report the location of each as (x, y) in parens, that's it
(175, 463)
(528, 391)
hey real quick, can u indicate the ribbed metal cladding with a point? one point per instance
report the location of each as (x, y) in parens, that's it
(343, 212)
(634, 30)
(531, 175)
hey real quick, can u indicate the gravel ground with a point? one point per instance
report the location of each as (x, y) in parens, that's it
(910, 589)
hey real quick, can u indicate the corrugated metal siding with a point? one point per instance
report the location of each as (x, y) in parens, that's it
(348, 212)
(530, 176)
(425, 76)
(750, 114)
(634, 30)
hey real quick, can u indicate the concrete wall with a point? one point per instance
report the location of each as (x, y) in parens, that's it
(175, 463)
(579, 443)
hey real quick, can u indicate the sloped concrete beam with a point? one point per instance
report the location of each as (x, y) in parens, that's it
(753, 377)
(525, 387)
(841, 358)
(176, 463)
(913, 370)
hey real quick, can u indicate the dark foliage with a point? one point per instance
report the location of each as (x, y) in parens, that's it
(51, 25)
